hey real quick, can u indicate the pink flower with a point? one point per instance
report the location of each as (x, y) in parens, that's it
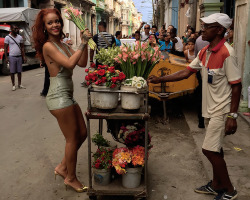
(76, 12)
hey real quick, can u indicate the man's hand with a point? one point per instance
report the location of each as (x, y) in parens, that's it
(24, 59)
(153, 79)
(231, 126)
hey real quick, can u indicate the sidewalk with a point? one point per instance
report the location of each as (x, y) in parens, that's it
(236, 149)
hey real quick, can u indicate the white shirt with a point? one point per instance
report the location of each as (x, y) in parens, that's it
(178, 46)
(144, 36)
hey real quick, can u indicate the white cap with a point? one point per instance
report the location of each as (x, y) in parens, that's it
(223, 19)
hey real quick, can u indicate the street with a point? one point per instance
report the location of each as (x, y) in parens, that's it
(31, 145)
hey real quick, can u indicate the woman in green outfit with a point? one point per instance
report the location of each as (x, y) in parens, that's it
(61, 60)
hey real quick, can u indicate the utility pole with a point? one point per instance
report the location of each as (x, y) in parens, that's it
(161, 13)
(153, 12)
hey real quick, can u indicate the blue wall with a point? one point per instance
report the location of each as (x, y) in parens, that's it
(175, 8)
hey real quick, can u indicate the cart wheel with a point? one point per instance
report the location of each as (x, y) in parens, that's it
(93, 197)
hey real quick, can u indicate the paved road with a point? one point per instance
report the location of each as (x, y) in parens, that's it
(31, 145)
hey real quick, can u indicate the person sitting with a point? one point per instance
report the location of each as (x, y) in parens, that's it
(189, 53)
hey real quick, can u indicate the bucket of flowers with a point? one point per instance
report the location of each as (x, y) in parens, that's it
(129, 163)
(108, 79)
(133, 101)
(102, 166)
(133, 135)
(107, 56)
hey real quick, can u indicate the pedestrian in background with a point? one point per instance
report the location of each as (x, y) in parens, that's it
(177, 43)
(61, 60)
(221, 78)
(16, 57)
(103, 40)
(67, 40)
(118, 37)
(144, 35)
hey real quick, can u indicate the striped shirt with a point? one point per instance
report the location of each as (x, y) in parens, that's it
(216, 92)
(100, 42)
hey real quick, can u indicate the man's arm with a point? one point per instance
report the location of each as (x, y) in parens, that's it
(6, 46)
(180, 75)
(231, 124)
(139, 29)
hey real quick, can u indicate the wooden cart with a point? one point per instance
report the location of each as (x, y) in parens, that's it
(115, 187)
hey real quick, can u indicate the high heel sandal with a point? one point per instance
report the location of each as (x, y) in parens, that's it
(79, 190)
(56, 173)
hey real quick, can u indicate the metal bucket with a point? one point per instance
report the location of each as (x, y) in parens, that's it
(102, 176)
(130, 101)
(132, 179)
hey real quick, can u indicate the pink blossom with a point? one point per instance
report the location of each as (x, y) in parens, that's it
(76, 12)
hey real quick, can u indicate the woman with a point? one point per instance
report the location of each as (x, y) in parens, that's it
(168, 43)
(153, 41)
(61, 60)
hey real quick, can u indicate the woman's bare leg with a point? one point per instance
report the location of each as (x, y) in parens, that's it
(62, 168)
(67, 120)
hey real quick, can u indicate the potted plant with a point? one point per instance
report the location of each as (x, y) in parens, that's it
(138, 59)
(134, 84)
(102, 166)
(106, 56)
(133, 135)
(129, 163)
(104, 78)
(101, 142)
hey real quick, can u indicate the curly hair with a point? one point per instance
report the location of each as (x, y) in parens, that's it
(39, 35)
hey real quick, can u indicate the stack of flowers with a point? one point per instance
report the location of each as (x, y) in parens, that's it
(138, 82)
(124, 157)
(75, 16)
(102, 158)
(138, 60)
(105, 75)
(107, 56)
(133, 135)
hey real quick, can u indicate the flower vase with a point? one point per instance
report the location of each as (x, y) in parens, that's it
(102, 176)
(104, 100)
(132, 179)
(130, 101)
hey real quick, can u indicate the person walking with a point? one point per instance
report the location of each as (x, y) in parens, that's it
(61, 61)
(221, 78)
(14, 42)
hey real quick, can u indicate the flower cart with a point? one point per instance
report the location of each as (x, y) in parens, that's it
(116, 186)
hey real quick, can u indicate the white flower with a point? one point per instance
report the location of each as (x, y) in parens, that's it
(139, 85)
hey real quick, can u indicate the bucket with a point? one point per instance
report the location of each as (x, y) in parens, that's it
(130, 101)
(104, 100)
(132, 179)
(102, 176)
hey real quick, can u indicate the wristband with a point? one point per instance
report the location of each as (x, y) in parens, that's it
(230, 117)
(82, 46)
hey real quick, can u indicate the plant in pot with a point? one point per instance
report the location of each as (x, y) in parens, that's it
(106, 56)
(134, 84)
(108, 79)
(129, 163)
(133, 135)
(101, 142)
(102, 166)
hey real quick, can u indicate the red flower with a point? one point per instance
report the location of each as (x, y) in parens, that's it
(88, 83)
(114, 79)
(111, 69)
(104, 79)
(121, 76)
(113, 85)
(97, 165)
(86, 70)
(93, 65)
(87, 78)
(101, 72)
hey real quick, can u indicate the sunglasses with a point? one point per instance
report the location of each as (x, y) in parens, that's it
(147, 28)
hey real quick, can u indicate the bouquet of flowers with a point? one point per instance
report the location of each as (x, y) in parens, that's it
(124, 157)
(107, 56)
(102, 158)
(138, 60)
(75, 16)
(138, 82)
(105, 75)
(133, 135)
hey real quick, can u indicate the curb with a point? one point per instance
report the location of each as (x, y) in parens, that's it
(245, 118)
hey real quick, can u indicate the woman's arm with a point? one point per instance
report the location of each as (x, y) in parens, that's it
(84, 57)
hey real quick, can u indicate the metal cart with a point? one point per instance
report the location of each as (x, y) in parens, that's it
(115, 187)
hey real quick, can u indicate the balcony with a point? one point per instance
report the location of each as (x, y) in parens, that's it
(100, 6)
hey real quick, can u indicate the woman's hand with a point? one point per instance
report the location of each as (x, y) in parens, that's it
(85, 36)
